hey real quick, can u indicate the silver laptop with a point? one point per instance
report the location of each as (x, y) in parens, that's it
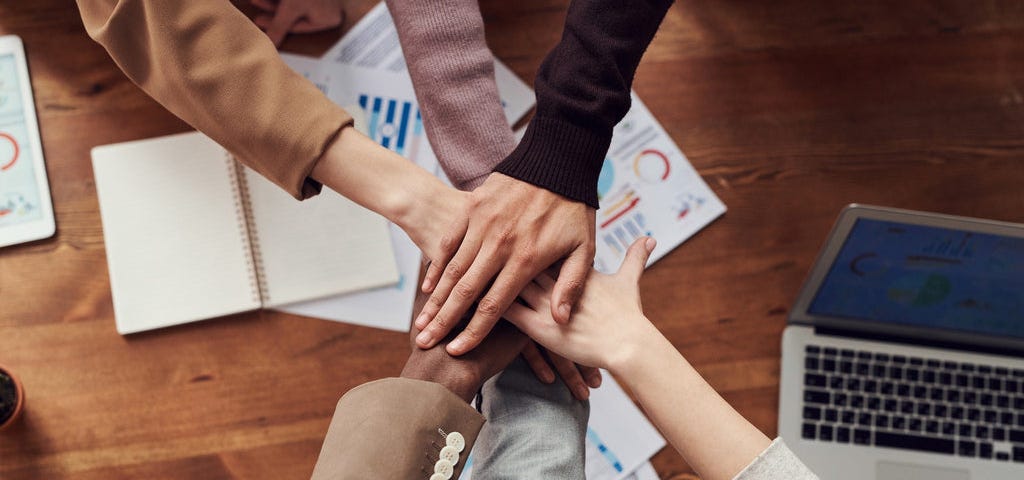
(904, 353)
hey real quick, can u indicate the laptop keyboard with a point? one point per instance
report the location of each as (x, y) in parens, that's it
(930, 405)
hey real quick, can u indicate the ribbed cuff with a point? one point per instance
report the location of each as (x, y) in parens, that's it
(560, 157)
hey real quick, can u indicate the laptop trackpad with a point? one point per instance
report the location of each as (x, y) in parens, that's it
(905, 471)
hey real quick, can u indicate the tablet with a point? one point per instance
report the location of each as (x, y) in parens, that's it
(26, 213)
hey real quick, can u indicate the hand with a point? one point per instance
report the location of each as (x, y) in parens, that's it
(572, 374)
(464, 375)
(297, 16)
(608, 324)
(515, 230)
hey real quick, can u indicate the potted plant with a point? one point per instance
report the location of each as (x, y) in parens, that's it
(12, 398)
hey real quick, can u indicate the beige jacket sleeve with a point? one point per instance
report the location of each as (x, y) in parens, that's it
(212, 67)
(395, 429)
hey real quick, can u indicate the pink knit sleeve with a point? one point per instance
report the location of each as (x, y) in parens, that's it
(452, 71)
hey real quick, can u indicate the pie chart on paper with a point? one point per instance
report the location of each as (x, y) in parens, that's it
(9, 151)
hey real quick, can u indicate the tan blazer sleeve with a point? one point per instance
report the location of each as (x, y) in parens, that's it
(395, 429)
(208, 64)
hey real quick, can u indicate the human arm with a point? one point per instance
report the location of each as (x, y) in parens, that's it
(208, 64)
(583, 90)
(390, 428)
(609, 330)
(453, 75)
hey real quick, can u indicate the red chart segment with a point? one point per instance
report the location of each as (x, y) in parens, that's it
(652, 166)
(8, 154)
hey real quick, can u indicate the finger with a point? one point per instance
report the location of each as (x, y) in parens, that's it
(591, 375)
(306, 26)
(462, 297)
(569, 286)
(538, 363)
(489, 309)
(526, 320)
(265, 5)
(547, 282)
(283, 20)
(263, 21)
(450, 245)
(451, 272)
(570, 375)
(636, 259)
(535, 296)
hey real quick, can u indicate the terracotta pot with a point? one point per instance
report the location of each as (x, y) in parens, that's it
(7, 380)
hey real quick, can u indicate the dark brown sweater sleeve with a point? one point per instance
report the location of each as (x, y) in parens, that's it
(583, 89)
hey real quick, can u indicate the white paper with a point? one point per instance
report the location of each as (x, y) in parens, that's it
(645, 472)
(648, 187)
(620, 440)
(616, 424)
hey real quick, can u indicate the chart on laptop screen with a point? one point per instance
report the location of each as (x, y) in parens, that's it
(19, 196)
(928, 276)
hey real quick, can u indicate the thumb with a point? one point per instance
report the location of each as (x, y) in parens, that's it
(636, 259)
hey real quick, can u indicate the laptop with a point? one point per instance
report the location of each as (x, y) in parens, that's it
(903, 357)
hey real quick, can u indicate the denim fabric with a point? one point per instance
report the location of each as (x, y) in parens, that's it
(533, 430)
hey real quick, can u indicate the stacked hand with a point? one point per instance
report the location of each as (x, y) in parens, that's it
(447, 220)
(609, 324)
(514, 232)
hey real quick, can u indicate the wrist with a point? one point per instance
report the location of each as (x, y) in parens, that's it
(374, 177)
(633, 353)
(428, 367)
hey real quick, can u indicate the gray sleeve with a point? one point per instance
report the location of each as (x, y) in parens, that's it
(776, 461)
(533, 430)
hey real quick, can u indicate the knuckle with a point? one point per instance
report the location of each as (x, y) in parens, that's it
(449, 243)
(488, 307)
(463, 292)
(442, 323)
(574, 286)
(435, 301)
(472, 334)
(453, 269)
(527, 256)
(506, 237)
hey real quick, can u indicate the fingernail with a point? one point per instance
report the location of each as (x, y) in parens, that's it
(455, 348)
(595, 381)
(548, 377)
(564, 310)
(582, 392)
(426, 285)
(650, 244)
(422, 321)
(424, 339)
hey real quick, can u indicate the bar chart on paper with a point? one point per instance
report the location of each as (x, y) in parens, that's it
(395, 124)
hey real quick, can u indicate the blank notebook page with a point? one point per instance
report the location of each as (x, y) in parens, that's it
(175, 245)
(325, 245)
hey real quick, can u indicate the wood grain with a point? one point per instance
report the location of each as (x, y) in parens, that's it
(789, 109)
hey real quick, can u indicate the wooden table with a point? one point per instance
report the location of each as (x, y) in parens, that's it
(789, 109)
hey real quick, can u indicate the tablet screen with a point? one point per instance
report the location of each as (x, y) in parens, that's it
(929, 276)
(19, 192)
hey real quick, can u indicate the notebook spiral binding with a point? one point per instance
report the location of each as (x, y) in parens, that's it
(247, 228)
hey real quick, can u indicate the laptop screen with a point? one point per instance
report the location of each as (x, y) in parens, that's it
(920, 275)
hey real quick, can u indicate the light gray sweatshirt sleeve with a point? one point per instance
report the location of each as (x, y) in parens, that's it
(776, 462)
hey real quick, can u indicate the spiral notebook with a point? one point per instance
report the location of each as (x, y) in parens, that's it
(191, 234)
